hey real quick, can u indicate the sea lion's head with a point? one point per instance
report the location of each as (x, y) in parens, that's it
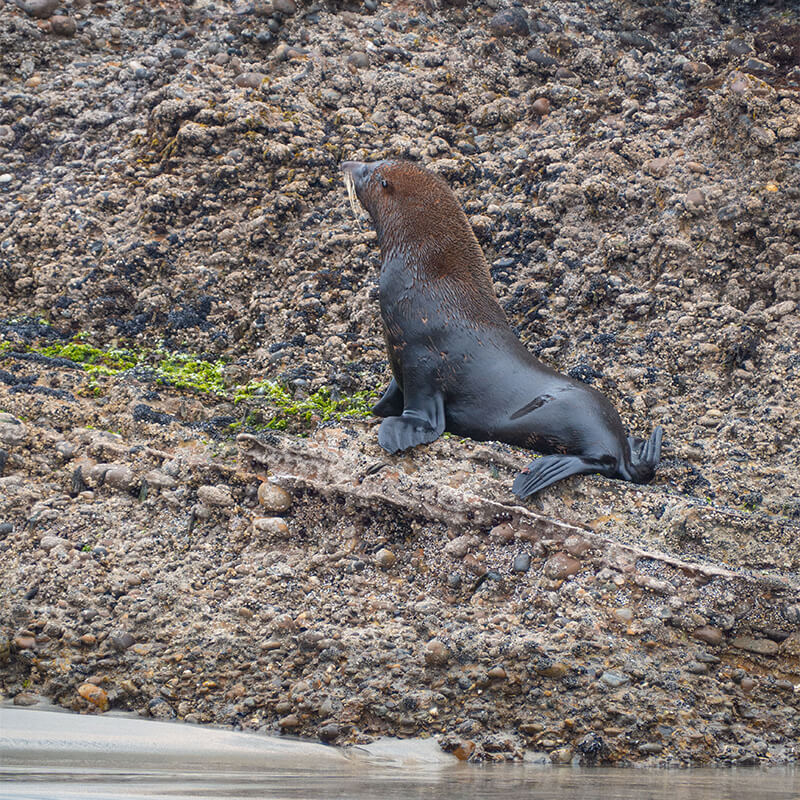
(421, 224)
(413, 209)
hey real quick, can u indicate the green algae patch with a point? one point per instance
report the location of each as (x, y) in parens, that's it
(321, 406)
(266, 404)
(188, 372)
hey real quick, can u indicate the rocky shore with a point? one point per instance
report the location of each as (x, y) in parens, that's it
(196, 521)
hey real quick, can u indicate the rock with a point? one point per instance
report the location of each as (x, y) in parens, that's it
(764, 647)
(215, 496)
(436, 653)
(159, 480)
(249, 80)
(26, 699)
(289, 722)
(24, 642)
(358, 59)
(541, 106)
(709, 634)
(497, 674)
(94, 695)
(385, 558)
(285, 7)
(657, 167)
(562, 755)
(614, 679)
(541, 58)
(12, 431)
(274, 498)
(159, 708)
(277, 526)
(509, 22)
(122, 640)
(561, 566)
(120, 478)
(522, 563)
(328, 732)
(63, 26)
(41, 9)
(48, 543)
(458, 547)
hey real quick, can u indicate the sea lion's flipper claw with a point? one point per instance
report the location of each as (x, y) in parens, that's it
(645, 458)
(419, 423)
(391, 403)
(548, 470)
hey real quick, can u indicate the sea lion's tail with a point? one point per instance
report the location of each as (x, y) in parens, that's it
(644, 456)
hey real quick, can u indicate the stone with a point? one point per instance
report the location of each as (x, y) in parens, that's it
(657, 167)
(120, 478)
(329, 732)
(561, 566)
(614, 679)
(274, 498)
(436, 653)
(385, 558)
(63, 26)
(458, 547)
(497, 674)
(763, 647)
(289, 722)
(12, 431)
(26, 699)
(562, 755)
(358, 59)
(215, 496)
(249, 80)
(94, 695)
(41, 9)
(541, 106)
(121, 640)
(285, 7)
(273, 525)
(541, 58)
(522, 563)
(159, 480)
(24, 642)
(509, 22)
(709, 635)
(49, 542)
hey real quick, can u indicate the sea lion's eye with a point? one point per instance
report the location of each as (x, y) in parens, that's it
(384, 183)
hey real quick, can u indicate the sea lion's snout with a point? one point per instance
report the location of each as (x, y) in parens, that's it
(360, 172)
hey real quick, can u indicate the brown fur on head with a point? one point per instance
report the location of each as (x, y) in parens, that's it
(416, 215)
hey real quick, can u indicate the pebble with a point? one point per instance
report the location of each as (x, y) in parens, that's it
(249, 80)
(26, 699)
(41, 9)
(215, 496)
(458, 547)
(49, 542)
(285, 7)
(709, 634)
(122, 640)
(561, 566)
(436, 653)
(24, 642)
(522, 563)
(120, 478)
(289, 722)
(509, 22)
(6, 178)
(274, 498)
(94, 694)
(764, 647)
(541, 106)
(358, 59)
(385, 558)
(63, 26)
(657, 167)
(273, 525)
(328, 732)
(561, 755)
(541, 58)
(614, 679)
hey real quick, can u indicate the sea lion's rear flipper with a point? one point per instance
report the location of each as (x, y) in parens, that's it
(391, 404)
(419, 423)
(645, 457)
(547, 470)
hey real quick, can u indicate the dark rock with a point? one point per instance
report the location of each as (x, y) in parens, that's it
(509, 22)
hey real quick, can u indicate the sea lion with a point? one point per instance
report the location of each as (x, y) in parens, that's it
(457, 365)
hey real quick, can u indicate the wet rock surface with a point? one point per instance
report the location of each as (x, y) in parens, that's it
(169, 188)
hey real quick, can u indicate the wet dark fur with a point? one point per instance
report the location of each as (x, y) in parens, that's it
(457, 365)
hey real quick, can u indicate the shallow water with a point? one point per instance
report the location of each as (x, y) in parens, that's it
(46, 755)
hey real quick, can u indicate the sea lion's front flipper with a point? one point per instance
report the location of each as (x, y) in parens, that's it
(545, 471)
(391, 404)
(421, 421)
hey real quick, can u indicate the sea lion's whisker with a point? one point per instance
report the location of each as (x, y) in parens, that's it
(350, 185)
